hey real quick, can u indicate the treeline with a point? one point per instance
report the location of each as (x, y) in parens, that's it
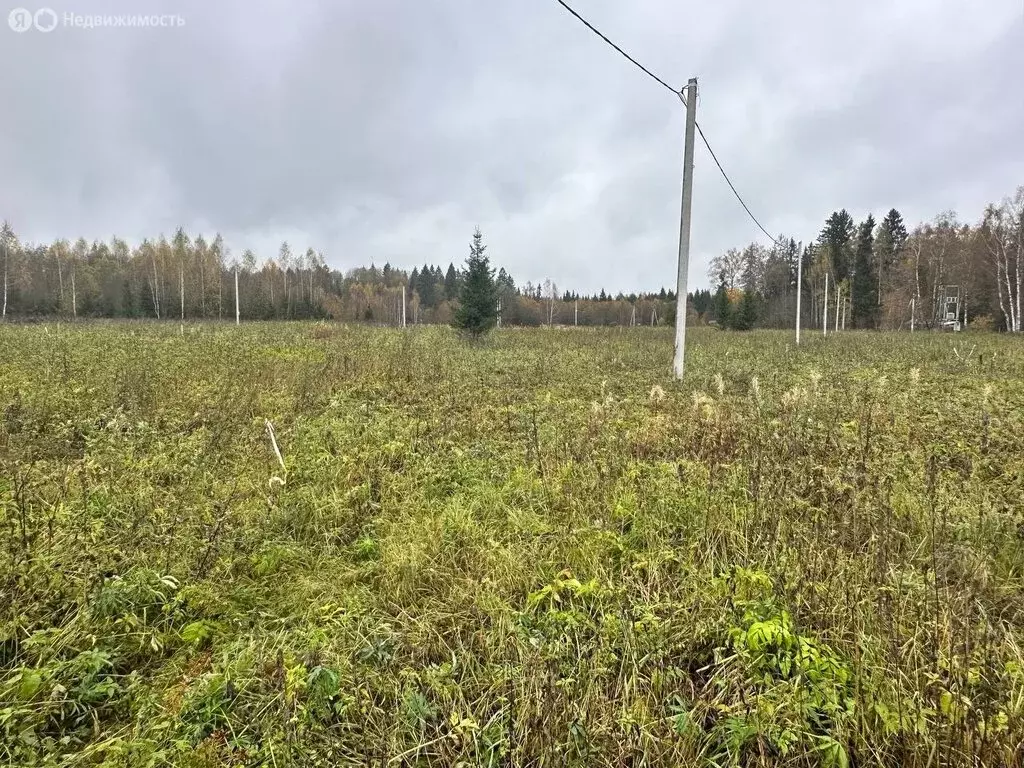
(878, 274)
(193, 278)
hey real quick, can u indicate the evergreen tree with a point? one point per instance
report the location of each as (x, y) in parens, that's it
(478, 298)
(837, 239)
(720, 304)
(746, 314)
(451, 283)
(427, 287)
(414, 281)
(864, 299)
(889, 243)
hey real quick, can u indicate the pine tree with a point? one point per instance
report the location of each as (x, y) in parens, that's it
(478, 298)
(864, 301)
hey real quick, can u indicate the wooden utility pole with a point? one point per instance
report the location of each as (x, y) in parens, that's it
(684, 228)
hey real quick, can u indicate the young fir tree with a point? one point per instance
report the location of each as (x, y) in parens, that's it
(746, 314)
(720, 307)
(478, 297)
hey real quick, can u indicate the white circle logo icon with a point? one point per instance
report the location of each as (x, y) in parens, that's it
(20, 20)
(45, 20)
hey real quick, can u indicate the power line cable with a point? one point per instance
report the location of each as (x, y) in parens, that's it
(733, 188)
(682, 98)
(598, 32)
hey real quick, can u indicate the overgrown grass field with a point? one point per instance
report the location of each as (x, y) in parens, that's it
(535, 551)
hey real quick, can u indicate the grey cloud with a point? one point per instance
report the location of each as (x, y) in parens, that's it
(388, 130)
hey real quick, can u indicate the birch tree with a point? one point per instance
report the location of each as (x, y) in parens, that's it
(1003, 231)
(8, 242)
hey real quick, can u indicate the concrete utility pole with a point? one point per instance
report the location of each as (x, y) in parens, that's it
(684, 228)
(839, 294)
(799, 286)
(824, 324)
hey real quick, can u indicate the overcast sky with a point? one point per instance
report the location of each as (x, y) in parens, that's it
(386, 130)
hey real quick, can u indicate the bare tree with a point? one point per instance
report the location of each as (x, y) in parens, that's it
(732, 264)
(1003, 228)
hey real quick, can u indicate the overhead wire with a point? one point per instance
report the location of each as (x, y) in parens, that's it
(682, 98)
(600, 34)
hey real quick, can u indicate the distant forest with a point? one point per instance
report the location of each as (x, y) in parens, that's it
(879, 273)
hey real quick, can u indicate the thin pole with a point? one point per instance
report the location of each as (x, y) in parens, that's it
(238, 309)
(799, 285)
(684, 228)
(839, 293)
(576, 313)
(403, 306)
(824, 323)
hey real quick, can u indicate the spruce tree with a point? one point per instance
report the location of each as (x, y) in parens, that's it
(478, 297)
(451, 283)
(720, 304)
(837, 239)
(746, 314)
(864, 300)
(427, 287)
(890, 241)
(414, 281)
